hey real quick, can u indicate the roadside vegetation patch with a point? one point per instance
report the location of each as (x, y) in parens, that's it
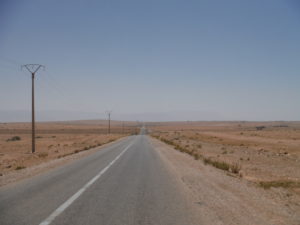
(279, 183)
(233, 168)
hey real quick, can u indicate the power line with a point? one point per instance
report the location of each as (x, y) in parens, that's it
(11, 61)
(61, 90)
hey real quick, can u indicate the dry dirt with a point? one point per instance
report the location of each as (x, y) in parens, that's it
(222, 199)
(54, 140)
(270, 154)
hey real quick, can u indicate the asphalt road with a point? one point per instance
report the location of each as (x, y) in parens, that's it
(126, 183)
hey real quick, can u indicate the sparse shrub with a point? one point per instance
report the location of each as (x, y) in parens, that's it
(199, 146)
(37, 137)
(43, 154)
(206, 161)
(197, 156)
(260, 127)
(14, 138)
(221, 165)
(234, 168)
(20, 167)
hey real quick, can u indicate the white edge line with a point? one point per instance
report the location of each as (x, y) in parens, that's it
(67, 203)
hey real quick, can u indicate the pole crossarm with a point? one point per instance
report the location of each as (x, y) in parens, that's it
(33, 68)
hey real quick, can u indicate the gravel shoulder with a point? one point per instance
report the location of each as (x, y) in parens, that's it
(222, 199)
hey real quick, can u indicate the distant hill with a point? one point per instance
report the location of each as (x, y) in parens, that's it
(25, 116)
(56, 115)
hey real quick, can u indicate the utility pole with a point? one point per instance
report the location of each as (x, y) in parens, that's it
(109, 114)
(32, 68)
(123, 127)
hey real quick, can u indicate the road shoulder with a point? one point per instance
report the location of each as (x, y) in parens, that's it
(222, 199)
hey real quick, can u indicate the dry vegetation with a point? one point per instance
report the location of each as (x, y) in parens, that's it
(54, 140)
(267, 153)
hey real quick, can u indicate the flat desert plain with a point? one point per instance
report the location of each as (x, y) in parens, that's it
(54, 140)
(267, 153)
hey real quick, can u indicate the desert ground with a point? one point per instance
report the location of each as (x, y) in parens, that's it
(267, 153)
(54, 140)
(227, 172)
(237, 167)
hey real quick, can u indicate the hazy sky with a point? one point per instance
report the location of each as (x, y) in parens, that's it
(233, 59)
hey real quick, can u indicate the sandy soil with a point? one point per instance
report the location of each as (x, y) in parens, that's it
(54, 140)
(221, 198)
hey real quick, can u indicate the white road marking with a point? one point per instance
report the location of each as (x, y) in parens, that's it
(67, 203)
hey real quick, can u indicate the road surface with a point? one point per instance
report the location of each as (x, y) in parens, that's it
(125, 183)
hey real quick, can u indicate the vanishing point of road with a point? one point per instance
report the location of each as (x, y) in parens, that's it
(125, 183)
